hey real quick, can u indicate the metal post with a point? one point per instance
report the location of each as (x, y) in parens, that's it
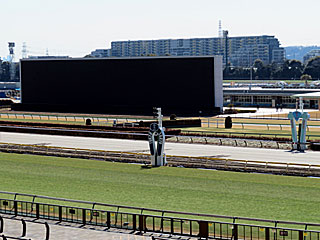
(134, 222)
(37, 210)
(60, 213)
(203, 229)
(172, 226)
(141, 223)
(24, 228)
(1, 224)
(267, 233)
(84, 216)
(235, 232)
(47, 230)
(108, 220)
(15, 206)
(300, 235)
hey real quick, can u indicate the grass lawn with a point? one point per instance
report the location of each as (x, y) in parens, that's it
(179, 189)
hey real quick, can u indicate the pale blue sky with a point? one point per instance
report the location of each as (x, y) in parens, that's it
(76, 27)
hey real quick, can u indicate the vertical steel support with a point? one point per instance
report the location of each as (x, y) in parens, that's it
(235, 231)
(108, 220)
(267, 233)
(60, 214)
(24, 228)
(300, 235)
(47, 230)
(142, 223)
(84, 216)
(1, 224)
(134, 222)
(37, 210)
(172, 226)
(203, 229)
(15, 206)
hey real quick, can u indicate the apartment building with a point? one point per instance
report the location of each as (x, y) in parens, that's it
(236, 51)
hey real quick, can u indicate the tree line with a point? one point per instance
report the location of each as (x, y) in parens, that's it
(290, 69)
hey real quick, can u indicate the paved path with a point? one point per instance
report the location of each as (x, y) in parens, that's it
(180, 149)
(35, 231)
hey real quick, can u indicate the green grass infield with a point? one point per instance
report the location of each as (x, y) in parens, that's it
(168, 188)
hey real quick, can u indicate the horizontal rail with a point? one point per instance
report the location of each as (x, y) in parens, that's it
(69, 118)
(183, 226)
(147, 155)
(162, 212)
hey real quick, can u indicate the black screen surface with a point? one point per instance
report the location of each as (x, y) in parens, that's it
(125, 86)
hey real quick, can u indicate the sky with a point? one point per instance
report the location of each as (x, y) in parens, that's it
(77, 27)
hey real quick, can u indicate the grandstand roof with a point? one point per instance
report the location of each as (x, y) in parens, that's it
(313, 95)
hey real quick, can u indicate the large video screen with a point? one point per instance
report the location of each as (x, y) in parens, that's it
(179, 85)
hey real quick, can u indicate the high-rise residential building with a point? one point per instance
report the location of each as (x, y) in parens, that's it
(100, 53)
(311, 54)
(236, 51)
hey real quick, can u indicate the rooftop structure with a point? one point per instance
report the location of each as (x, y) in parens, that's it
(101, 53)
(237, 51)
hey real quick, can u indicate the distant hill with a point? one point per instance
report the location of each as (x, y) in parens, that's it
(297, 52)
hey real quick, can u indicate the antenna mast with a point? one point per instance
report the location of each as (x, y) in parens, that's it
(220, 30)
(24, 50)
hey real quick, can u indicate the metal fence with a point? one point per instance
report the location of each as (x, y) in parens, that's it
(158, 221)
(70, 119)
(220, 123)
(246, 134)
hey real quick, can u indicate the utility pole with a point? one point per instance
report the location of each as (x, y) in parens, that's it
(225, 36)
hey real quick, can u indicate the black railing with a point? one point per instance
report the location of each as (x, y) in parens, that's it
(167, 222)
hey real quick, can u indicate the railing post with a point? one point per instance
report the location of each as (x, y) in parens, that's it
(141, 223)
(134, 222)
(300, 235)
(267, 233)
(84, 216)
(15, 206)
(60, 213)
(47, 230)
(24, 228)
(37, 211)
(235, 231)
(108, 220)
(1, 224)
(172, 226)
(203, 229)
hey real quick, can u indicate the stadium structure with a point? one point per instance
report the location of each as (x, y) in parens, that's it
(179, 85)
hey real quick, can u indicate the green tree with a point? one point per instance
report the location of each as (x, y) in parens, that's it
(295, 68)
(261, 71)
(313, 68)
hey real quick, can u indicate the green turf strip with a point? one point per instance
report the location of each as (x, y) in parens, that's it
(179, 189)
